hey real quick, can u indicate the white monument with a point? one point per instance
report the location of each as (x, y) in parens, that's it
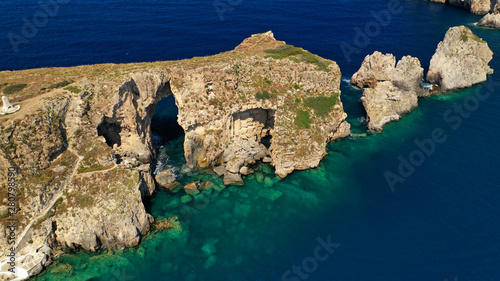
(8, 108)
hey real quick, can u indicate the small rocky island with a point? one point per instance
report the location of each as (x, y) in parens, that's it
(489, 8)
(83, 149)
(389, 90)
(461, 60)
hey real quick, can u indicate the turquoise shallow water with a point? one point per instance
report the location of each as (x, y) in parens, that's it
(440, 223)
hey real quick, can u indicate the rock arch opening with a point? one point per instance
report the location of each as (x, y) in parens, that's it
(168, 136)
(164, 124)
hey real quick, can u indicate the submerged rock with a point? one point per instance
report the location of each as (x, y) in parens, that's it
(270, 194)
(186, 199)
(461, 60)
(191, 188)
(166, 179)
(211, 261)
(220, 170)
(232, 178)
(206, 185)
(209, 247)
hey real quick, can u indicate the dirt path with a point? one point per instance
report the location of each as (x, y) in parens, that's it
(56, 196)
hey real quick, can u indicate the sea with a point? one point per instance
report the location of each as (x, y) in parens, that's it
(418, 202)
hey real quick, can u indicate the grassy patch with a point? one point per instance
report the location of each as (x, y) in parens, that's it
(286, 51)
(14, 89)
(465, 37)
(83, 200)
(73, 89)
(60, 84)
(303, 119)
(321, 105)
(264, 95)
(42, 178)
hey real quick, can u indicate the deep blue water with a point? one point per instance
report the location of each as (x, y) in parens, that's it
(441, 223)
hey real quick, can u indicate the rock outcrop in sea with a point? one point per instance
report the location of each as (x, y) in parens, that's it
(491, 20)
(83, 147)
(461, 60)
(389, 90)
(478, 7)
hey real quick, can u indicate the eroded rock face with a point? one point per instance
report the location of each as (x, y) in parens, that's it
(390, 90)
(461, 60)
(376, 67)
(386, 103)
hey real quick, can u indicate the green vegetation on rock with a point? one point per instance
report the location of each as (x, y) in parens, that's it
(60, 84)
(14, 88)
(321, 105)
(264, 95)
(73, 89)
(298, 55)
(303, 119)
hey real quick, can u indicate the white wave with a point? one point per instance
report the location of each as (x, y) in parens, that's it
(428, 86)
(185, 169)
(346, 80)
(361, 120)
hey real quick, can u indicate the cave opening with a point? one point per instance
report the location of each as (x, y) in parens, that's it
(266, 141)
(256, 124)
(110, 129)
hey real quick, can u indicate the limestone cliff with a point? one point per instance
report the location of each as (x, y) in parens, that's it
(390, 90)
(461, 60)
(82, 140)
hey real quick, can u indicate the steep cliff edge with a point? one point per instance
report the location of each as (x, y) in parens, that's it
(82, 140)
